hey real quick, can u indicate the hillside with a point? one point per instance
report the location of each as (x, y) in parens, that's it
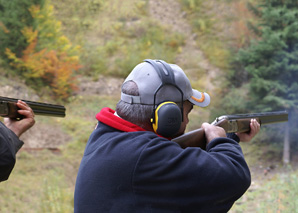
(204, 71)
(44, 177)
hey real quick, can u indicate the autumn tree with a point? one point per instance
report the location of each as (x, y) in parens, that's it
(49, 59)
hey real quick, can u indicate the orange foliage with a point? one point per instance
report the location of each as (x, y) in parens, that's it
(59, 73)
(53, 67)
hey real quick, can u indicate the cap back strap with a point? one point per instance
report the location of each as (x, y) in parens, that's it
(131, 99)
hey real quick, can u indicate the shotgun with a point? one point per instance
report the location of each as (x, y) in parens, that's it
(8, 108)
(231, 124)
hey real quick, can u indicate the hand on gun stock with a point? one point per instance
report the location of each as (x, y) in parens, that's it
(212, 132)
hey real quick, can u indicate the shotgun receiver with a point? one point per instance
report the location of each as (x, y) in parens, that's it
(231, 124)
(8, 108)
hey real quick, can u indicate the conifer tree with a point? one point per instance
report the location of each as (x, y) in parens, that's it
(272, 61)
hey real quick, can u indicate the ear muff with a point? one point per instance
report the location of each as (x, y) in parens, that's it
(167, 119)
(167, 116)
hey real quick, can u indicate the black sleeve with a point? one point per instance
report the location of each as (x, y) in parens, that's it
(9, 145)
(233, 136)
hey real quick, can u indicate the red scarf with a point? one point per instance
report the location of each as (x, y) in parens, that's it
(106, 116)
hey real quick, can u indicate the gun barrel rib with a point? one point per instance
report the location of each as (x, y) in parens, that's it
(39, 108)
(264, 118)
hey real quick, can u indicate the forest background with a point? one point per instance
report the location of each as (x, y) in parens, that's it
(77, 53)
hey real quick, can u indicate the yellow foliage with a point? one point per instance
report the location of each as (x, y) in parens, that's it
(11, 55)
(50, 33)
(34, 10)
(3, 27)
(49, 56)
(29, 34)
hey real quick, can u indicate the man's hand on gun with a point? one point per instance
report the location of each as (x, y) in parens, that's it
(20, 126)
(254, 129)
(212, 132)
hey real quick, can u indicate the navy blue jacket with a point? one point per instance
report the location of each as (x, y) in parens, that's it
(9, 145)
(139, 171)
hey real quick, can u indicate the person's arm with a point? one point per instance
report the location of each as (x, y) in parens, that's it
(9, 145)
(9, 138)
(211, 180)
(191, 178)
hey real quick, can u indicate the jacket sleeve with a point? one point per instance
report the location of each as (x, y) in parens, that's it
(9, 146)
(233, 136)
(213, 178)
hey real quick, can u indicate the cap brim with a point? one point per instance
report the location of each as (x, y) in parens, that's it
(201, 99)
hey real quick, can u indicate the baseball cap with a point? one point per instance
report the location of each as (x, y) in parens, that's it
(148, 81)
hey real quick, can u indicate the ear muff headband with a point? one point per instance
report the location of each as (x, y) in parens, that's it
(167, 116)
(167, 78)
(171, 73)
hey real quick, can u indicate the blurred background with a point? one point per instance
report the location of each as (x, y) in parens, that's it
(244, 53)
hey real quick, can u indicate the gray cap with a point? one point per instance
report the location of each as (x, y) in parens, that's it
(148, 81)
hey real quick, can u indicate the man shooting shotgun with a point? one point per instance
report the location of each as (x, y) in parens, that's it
(131, 163)
(18, 118)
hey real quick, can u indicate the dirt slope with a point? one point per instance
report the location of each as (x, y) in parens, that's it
(170, 14)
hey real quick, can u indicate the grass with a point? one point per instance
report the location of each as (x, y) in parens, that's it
(36, 177)
(206, 25)
(274, 185)
(115, 35)
(275, 195)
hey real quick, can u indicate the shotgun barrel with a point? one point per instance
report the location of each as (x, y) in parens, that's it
(8, 108)
(240, 122)
(231, 124)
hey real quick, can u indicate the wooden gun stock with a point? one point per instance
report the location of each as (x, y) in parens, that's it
(231, 124)
(196, 138)
(8, 108)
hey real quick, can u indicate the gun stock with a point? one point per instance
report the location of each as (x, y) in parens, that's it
(231, 124)
(8, 108)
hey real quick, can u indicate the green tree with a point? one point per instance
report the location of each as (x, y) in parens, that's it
(272, 61)
(14, 16)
